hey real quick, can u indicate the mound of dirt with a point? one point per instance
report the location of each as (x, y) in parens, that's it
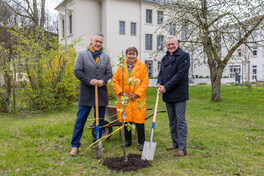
(134, 163)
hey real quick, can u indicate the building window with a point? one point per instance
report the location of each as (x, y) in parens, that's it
(148, 42)
(63, 28)
(148, 16)
(122, 27)
(255, 51)
(233, 69)
(159, 65)
(239, 52)
(149, 67)
(172, 29)
(133, 28)
(160, 42)
(254, 72)
(70, 22)
(184, 33)
(160, 17)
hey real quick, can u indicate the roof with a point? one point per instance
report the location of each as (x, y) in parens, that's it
(66, 1)
(62, 3)
(155, 1)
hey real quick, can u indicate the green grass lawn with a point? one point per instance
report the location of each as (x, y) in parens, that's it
(224, 138)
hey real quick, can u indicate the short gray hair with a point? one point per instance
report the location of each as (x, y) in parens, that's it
(98, 34)
(172, 36)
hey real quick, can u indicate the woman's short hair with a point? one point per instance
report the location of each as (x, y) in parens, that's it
(134, 49)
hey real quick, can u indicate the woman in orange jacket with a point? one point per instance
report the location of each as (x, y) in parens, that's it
(134, 71)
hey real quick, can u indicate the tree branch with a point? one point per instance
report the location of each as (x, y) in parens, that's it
(242, 40)
(15, 11)
(218, 18)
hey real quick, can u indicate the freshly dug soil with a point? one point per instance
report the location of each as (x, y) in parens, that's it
(134, 163)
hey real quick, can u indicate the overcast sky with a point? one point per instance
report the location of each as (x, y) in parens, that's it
(51, 4)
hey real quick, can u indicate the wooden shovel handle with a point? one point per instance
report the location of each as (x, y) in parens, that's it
(96, 106)
(156, 106)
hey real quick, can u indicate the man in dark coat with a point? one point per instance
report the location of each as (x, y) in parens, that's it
(92, 67)
(173, 83)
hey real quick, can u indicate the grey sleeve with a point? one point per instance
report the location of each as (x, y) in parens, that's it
(79, 70)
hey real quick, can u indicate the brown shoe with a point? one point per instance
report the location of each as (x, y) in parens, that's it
(180, 153)
(172, 147)
(74, 151)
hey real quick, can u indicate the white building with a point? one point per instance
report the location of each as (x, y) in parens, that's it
(124, 23)
(127, 23)
(248, 63)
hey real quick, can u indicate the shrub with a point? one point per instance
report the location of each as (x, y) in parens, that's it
(111, 93)
(48, 66)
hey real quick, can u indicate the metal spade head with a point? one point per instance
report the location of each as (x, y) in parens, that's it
(99, 151)
(149, 150)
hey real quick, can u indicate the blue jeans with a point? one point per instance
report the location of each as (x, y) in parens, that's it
(82, 115)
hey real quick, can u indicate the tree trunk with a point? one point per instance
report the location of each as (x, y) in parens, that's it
(14, 87)
(123, 140)
(216, 92)
(216, 83)
(35, 17)
(6, 94)
(123, 120)
(42, 17)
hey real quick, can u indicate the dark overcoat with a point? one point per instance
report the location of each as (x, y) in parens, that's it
(173, 76)
(86, 69)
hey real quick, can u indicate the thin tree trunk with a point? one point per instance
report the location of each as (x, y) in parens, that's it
(6, 95)
(123, 139)
(42, 17)
(35, 14)
(123, 123)
(14, 87)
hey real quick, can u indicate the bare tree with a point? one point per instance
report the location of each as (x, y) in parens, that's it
(33, 10)
(217, 28)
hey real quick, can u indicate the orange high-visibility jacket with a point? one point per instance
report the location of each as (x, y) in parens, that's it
(133, 114)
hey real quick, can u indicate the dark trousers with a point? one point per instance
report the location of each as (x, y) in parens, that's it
(140, 131)
(82, 115)
(178, 124)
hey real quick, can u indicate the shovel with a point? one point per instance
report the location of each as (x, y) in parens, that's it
(99, 148)
(150, 147)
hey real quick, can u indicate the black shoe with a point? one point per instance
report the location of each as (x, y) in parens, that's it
(141, 147)
(128, 143)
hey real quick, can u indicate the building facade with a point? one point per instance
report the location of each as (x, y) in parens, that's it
(248, 61)
(123, 23)
(127, 23)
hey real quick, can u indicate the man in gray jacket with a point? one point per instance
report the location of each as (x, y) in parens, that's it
(92, 67)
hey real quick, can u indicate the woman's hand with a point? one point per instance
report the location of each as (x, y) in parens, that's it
(134, 97)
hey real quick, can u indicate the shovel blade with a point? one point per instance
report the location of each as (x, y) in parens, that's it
(148, 150)
(99, 151)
